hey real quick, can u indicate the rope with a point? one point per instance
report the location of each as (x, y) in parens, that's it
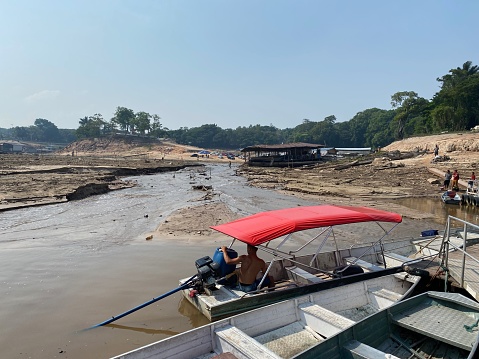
(470, 327)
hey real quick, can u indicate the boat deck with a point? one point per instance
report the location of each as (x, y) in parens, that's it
(439, 322)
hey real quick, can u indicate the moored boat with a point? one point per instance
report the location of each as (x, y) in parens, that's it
(430, 325)
(451, 197)
(287, 328)
(323, 265)
(471, 196)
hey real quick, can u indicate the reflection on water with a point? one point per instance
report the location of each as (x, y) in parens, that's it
(143, 330)
(188, 310)
(440, 210)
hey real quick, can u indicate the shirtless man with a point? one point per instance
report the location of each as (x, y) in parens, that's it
(251, 265)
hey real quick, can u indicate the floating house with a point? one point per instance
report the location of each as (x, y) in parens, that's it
(284, 155)
(12, 147)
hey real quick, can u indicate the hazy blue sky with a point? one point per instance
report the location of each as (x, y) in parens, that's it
(232, 63)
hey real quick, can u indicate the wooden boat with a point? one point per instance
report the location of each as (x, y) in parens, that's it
(451, 197)
(324, 266)
(430, 325)
(284, 329)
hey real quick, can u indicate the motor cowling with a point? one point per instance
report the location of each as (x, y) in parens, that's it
(207, 271)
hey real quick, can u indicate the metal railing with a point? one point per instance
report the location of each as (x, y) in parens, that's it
(447, 244)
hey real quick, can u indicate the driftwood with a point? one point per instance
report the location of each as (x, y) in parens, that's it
(202, 187)
(397, 155)
(352, 164)
(388, 167)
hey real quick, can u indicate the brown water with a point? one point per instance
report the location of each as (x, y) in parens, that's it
(440, 210)
(67, 267)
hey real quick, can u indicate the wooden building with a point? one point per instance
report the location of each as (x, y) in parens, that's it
(284, 155)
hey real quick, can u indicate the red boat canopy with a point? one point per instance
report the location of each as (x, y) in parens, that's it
(266, 226)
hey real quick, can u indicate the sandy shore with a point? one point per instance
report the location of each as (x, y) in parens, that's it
(377, 181)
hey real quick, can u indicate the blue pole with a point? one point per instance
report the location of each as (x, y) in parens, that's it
(112, 319)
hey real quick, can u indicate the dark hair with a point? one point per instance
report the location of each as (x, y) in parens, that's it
(252, 247)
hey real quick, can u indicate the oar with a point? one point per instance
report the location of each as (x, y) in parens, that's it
(112, 319)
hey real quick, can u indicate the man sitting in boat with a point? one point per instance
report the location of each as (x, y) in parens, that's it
(251, 265)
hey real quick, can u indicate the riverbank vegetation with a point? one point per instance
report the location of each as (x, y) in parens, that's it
(453, 108)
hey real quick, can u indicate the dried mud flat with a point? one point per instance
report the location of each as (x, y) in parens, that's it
(33, 180)
(401, 170)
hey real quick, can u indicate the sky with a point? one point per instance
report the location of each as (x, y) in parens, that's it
(224, 62)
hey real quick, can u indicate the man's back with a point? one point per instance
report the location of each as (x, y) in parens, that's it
(251, 265)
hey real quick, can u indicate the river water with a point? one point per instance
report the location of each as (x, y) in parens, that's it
(69, 266)
(66, 267)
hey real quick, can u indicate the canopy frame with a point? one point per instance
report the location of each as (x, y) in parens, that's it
(277, 252)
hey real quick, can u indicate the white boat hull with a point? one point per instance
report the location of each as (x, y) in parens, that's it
(286, 328)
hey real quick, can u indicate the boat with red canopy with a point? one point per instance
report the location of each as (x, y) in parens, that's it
(307, 249)
(266, 226)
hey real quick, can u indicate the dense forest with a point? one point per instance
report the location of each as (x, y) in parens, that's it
(454, 108)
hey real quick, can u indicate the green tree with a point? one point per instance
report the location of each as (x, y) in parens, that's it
(124, 118)
(141, 122)
(456, 106)
(408, 105)
(47, 131)
(91, 126)
(21, 133)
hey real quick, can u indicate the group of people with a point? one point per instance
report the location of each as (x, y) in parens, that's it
(452, 179)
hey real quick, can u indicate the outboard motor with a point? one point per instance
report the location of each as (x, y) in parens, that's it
(207, 271)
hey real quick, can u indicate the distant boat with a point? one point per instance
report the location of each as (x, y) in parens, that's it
(451, 197)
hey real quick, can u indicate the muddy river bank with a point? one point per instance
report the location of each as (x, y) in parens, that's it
(68, 266)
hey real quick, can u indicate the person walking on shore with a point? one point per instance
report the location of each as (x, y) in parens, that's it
(436, 151)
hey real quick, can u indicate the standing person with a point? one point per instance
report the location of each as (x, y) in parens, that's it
(251, 265)
(471, 181)
(447, 179)
(436, 150)
(455, 180)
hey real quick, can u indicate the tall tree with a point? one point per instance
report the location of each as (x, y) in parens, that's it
(123, 117)
(141, 122)
(408, 104)
(456, 104)
(92, 126)
(47, 130)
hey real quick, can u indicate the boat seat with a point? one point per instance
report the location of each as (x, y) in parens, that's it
(363, 264)
(386, 294)
(360, 350)
(400, 258)
(234, 340)
(322, 320)
(302, 276)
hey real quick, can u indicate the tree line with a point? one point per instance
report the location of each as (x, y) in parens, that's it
(455, 107)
